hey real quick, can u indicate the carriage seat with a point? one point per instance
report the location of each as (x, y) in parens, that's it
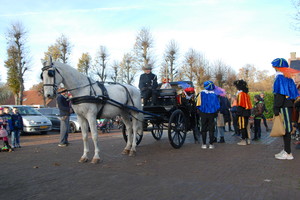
(166, 93)
(166, 98)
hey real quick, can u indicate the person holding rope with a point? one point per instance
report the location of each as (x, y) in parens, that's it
(148, 85)
(64, 112)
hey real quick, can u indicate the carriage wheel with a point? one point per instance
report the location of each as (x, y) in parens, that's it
(176, 129)
(157, 131)
(139, 136)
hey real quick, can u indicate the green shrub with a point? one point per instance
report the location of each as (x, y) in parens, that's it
(269, 98)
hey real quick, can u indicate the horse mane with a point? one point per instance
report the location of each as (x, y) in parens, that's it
(79, 77)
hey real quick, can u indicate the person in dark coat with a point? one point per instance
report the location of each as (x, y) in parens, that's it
(262, 96)
(17, 124)
(148, 85)
(226, 113)
(64, 112)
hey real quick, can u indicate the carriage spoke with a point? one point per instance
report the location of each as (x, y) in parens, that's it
(173, 135)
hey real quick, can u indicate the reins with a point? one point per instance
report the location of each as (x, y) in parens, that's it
(103, 99)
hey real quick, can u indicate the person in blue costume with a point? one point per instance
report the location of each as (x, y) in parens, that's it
(208, 105)
(285, 92)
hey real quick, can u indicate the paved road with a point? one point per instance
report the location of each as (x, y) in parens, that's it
(42, 170)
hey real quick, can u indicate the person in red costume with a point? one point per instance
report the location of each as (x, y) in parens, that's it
(244, 107)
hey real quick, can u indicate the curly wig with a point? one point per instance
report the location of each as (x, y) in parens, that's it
(241, 85)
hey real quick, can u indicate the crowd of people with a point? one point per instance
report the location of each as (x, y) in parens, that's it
(216, 109)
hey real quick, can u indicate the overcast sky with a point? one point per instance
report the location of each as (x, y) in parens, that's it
(238, 32)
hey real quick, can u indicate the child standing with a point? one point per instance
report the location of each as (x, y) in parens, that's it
(257, 115)
(3, 132)
(220, 118)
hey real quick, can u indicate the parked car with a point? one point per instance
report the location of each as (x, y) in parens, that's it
(33, 121)
(53, 115)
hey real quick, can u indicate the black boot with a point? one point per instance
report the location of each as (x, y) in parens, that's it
(214, 139)
(221, 140)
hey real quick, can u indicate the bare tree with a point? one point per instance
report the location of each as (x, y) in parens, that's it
(248, 73)
(263, 82)
(296, 4)
(84, 63)
(171, 53)
(190, 61)
(231, 77)
(18, 59)
(64, 47)
(143, 48)
(116, 71)
(61, 50)
(129, 70)
(5, 93)
(180, 75)
(101, 61)
(54, 52)
(220, 71)
(164, 69)
(202, 71)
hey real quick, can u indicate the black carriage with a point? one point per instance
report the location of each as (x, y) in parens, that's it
(175, 111)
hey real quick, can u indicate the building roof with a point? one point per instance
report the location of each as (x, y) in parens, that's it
(295, 64)
(32, 97)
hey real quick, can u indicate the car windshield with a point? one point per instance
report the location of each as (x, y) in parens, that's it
(28, 111)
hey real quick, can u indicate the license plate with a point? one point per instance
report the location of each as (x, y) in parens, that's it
(43, 126)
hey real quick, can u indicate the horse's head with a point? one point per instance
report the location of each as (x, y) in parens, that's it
(51, 78)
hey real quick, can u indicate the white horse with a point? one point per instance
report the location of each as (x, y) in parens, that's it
(53, 74)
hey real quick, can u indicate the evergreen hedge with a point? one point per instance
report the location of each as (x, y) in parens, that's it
(269, 98)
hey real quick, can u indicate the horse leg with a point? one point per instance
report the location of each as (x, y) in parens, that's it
(128, 125)
(94, 132)
(136, 127)
(84, 132)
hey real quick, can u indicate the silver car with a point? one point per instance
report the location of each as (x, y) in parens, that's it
(53, 115)
(33, 121)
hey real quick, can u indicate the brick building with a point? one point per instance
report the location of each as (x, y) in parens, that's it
(32, 97)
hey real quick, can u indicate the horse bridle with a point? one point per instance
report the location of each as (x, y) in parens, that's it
(51, 73)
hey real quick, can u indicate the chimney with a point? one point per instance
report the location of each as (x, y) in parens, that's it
(293, 55)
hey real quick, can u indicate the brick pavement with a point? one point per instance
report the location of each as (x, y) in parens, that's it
(41, 170)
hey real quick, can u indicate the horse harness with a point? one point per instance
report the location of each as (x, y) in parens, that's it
(103, 99)
(93, 97)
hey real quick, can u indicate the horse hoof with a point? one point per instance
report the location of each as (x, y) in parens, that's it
(125, 152)
(132, 153)
(95, 160)
(83, 160)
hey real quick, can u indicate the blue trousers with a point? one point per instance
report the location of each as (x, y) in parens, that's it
(15, 138)
(64, 129)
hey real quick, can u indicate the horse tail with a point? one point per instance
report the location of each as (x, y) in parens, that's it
(137, 101)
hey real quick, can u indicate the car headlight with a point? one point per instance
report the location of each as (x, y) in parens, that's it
(49, 121)
(25, 122)
(32, 122)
